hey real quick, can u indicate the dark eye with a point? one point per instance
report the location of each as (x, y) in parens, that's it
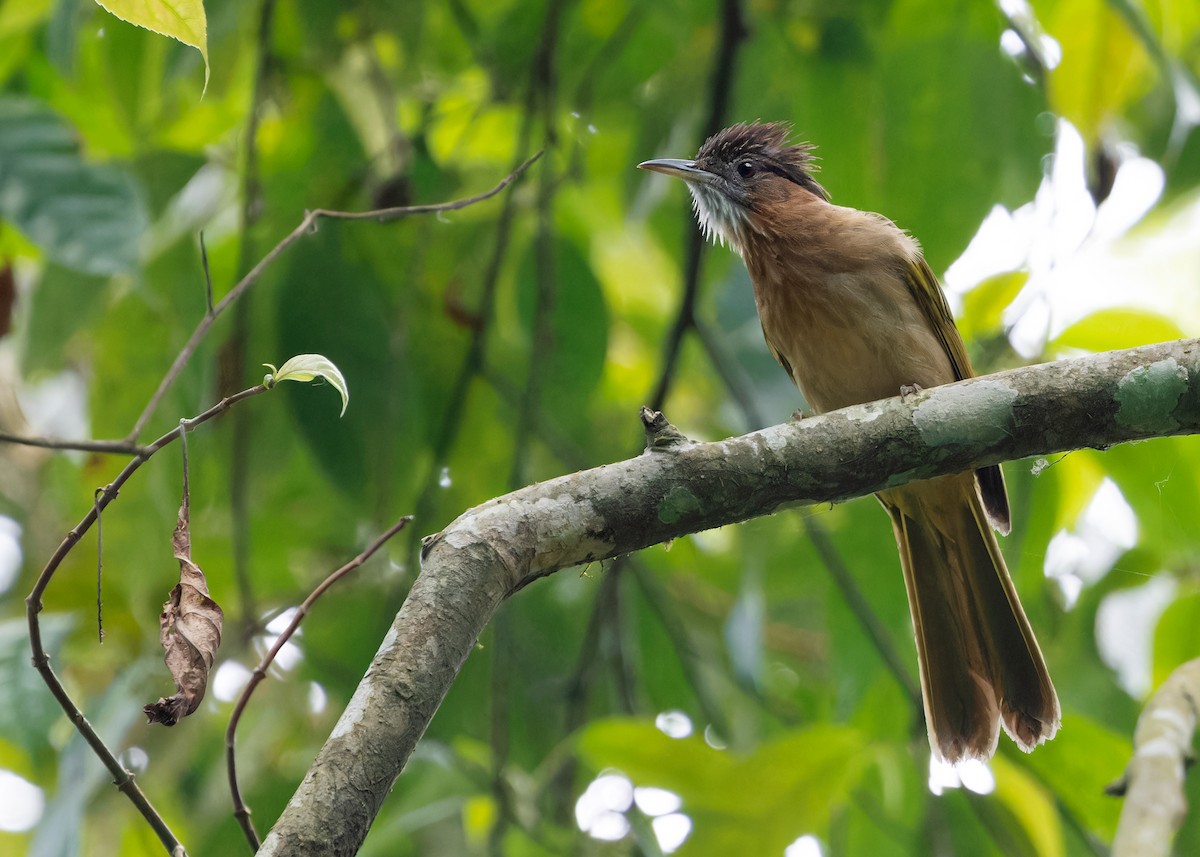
(746, 169)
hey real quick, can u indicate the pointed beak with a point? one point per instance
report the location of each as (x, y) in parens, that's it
(686, 170)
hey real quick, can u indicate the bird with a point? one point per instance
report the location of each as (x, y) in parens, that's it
(853, 313)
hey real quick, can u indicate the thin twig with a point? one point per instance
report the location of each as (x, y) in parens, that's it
(237, 344)
(733, 31)
(111, 447)
(541, 94)
(305, 227)
(33, 606)
(208, 286)
(99, 568)
(861, 608)
(682, 643)
(240, 809)
(472, 362)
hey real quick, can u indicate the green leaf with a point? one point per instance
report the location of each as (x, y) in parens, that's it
(1177, 636)
(578, 323)
(309, 367)
(1031, 805)
(182, 20)
(755, 804)
(1078, 765)
(984, 305)
(1104, 66)
(86, 217)
(1112, 329)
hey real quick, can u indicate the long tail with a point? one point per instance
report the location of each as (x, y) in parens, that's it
(980, 664)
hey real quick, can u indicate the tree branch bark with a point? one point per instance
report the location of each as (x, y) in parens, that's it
(679, 487)
(1153, 785)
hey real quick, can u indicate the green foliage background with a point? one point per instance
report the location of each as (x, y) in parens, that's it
(111, 164)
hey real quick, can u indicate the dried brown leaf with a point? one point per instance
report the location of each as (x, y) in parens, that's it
(190, 632)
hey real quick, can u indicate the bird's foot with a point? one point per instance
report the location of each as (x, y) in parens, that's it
(907, 390)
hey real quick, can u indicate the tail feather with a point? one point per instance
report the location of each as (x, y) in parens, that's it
(980, 663)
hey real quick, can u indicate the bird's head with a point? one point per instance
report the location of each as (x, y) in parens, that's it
(740, 175)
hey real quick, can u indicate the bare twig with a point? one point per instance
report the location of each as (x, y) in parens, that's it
(861, 608)
(109, 447)
(240, 809)
(99, 568)
(33, 606)
(733, 31)
(208, 286)
(306, 226)
(236, 346)
(1155, 804)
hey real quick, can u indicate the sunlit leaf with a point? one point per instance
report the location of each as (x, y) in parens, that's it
(310, 367)
(1104, 66)
(1111, 329)
(182, 20)
(1077, 766)
(1032, 805)
(984, 305)
(755, 804)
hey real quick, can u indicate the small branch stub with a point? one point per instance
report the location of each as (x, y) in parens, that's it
(660, 434)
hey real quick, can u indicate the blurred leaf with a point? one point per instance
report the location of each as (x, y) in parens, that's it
(579, 322)
(755, 804)
(1177, 636)
(1077, 766)
(1112, 329)
(353, 334)
(984, 305)
(1104, 65)
(1032, 805)
(30, 706)
(87, 217)
(182, 20)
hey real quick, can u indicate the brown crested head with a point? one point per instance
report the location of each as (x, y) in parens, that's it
(741, 174)
(757, 150)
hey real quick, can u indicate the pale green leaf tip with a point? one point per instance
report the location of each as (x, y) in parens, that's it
(306, 367)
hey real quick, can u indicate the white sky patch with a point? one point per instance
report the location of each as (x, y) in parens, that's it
(317, 698)
(1125, 626)
(56, 406)
(674, 724)
(971, 774)
(804, 846)
(229, 680)
(671, 830)
(1106, 529)
(1081, 259)
(279, 624)
(21, 803)
(600, 810)
(10, 552)
(655, 801)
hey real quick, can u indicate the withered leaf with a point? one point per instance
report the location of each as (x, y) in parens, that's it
(189, 630)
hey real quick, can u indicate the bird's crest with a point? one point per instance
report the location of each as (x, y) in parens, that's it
(767, 141)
